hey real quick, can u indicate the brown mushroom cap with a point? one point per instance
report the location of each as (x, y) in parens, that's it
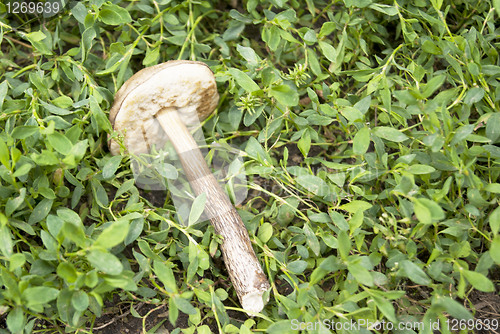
(187, 87)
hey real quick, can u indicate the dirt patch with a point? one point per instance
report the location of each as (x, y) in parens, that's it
(121, 320)
(486, 308)
(156, 197)
(152, 316)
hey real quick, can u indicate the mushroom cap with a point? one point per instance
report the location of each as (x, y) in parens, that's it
(187, 87)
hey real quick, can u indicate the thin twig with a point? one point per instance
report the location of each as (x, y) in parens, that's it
(19, 42)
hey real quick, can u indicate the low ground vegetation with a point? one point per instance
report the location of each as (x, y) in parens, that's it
(370, 136)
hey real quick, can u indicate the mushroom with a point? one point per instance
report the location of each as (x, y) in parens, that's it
(154, 106)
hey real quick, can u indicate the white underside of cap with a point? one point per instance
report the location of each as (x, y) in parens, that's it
(182, 88)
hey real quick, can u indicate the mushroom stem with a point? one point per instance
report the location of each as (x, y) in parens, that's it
(244, 269)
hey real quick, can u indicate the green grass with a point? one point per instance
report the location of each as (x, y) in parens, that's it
(370, 133)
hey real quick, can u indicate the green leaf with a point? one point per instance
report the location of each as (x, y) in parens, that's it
(105, 262)
(310, 36)
(251, 117)
(240, 17)
(360, 273)
(427, 211)
(479, 281)
(193, 261)
(344, 244)
(419, 169)
(67, 271)
(22, 170)
(54, 225)
(285, 95)
(40, 211)
(317, 275)
(255, 150)
(64, 304)
(39, 41)
(46, 158)
(152, 55)
(10, 285)
(100, 194)
(385, 307)
(4, 154)
(16, 319)
(494, 220)
(495, 249)
(125, 187)
(434, 84)
(361, 141)
(356, 221)
(113, 235)
(123, 281)
(328, 51)
(313, 62)
(135, 230)
(233, 31)
(197, 208)
(493, 128)
(386, 9)
(265, 232)
(75, 233)
(272, 37)
(111, 166)
(248, 54)
(63, 101)
(173, 311)
(282, 327)
(304, 144)
(462, 133)
(17, 260)
(24, 131)
(14, 202)
(88, 37)
(6, 244)
(40, 295)
(297, 266)
(184, 305)
(313, 184)
(390, 134)
(316, 119)
(496, 4)
(327, 28)
(493, 188)
(36, 36)
(474, 95)
(311, 239)
(69, 215)
(451, 306)
(355, 206)
(55, 110)
(98, 114)
(430, 47)
(414, 272)
(166, 276)
(4, 88)
(60, 143)
(114, 15)
(437, 4)
(80, 300)
(243, 80)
